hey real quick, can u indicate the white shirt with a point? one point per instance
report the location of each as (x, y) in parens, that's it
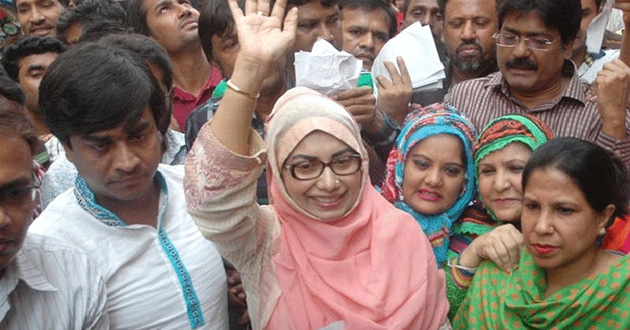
(589, 73)
(50, 285)
(165, 278)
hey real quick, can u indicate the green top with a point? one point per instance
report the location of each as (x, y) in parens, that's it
(500, 300)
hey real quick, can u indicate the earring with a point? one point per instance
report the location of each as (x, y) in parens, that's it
(337, 181)
(602, 232)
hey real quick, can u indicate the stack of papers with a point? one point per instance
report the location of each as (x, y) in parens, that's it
(416, 46)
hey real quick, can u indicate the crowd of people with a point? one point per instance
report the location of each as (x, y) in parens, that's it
(160, 169)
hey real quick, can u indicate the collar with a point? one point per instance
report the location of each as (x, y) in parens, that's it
(575, 89)
(87, 201)
(213, 80)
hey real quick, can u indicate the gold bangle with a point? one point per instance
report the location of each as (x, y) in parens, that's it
(235, 88)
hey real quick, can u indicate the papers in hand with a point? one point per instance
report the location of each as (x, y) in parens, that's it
(416, 46)
(595, 30)
(326, 70)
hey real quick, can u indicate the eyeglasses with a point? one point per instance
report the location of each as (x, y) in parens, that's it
(533, 43)
(18, 197)
(313, 168)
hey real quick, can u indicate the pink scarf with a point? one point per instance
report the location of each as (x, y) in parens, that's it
(372, 269)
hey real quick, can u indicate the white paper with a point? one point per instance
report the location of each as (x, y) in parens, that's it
(595, 30)
(326, 70)
(416, 46)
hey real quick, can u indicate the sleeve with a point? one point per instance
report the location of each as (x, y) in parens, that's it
(220, 191)
(457, 283)
(620, 147)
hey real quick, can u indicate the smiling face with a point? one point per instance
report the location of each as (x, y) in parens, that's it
(330, 196)
(364, 33)
(559, 225)
(173, 23)
(15, 215)
(434, 174)
(119, 164)
(500, 175)
(530, 71)
(39, 17)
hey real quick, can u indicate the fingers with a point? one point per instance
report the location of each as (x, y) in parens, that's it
(290, 21)
(404, 73)
(503, 246)
(383, 82)
(393, 72)
(236, 11)
(353, 94)
(263, 7)
(250, 7)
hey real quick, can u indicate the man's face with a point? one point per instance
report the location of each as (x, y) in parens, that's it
(316, 21)
(529, 71)
(426, 12)
(16, 202)
(225, 49)
(118, 164)
(173, 23)
(32, 69)
(364, 33)
(39, 17)
(589, 11)
(468, 29)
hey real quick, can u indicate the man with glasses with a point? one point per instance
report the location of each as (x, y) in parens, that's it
(44, 283)
(534, 45)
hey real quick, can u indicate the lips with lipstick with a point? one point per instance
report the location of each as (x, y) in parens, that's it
(429, 195)
(543, 249)
(328, 202)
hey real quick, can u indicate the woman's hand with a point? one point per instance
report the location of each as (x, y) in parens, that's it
(502, 245)
(263, 40)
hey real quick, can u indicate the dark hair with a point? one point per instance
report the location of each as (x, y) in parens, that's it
(90, 11)
(371, 5)
(28, 46)
(297, 3)
(601, 176)
(198, 4)
(13, 122)
(137, 17)
(10, 89)
(148, 49)
(95, 87)
(562, 15)
(94, 31)
(215, 19)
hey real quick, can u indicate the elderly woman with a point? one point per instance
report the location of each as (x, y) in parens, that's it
(430, 171)
(328, 249)
(572, 189)
(490, 228)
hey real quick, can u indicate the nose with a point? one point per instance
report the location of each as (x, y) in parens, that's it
(36, 16)
(544, 223)
(433, 177)
(521, 49)
(125, 158)
(183, 11)
(4, 215)
(324, 32)
(328, 180)
(469, 30)
(425, 19)
(501, 181)
(367, 41)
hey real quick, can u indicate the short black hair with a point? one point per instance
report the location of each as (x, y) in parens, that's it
(441, 5)
(13, 122)
(599, 174)
(94, 31)
(89, 11)
(95, 87)
(562, 15)
(297, 3)
(10, 89)
(148, 49)
(371, 5)
(215, 19)
(28, 46)
(137, 17)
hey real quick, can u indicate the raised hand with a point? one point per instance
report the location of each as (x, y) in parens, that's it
(262, 38)
(502, 245)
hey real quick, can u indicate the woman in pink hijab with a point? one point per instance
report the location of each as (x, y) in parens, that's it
(329, 251)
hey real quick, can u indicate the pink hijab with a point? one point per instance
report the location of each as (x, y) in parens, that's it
(373, 268)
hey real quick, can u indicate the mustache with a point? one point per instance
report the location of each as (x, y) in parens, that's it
(468, 44)
(522, 63)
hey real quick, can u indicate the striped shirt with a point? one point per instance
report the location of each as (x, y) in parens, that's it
(51, 285)
(572, 115)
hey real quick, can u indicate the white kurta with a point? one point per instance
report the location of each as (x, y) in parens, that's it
(165, 278)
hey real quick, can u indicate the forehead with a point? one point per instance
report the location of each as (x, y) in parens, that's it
(33, 2)
(527, 23)
(123, 129)
(43, 60)
(376, 19)
(423, 4)
(319, 144)
(440, 145)
(15, 159)
(472, 8)
(589, 4)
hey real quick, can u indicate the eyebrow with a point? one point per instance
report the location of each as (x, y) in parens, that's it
(335, 155)
(35, 67)
(161, 3)
(17, 183)
(431, 159)
(527, 34)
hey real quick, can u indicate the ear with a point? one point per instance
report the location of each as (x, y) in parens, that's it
(605, 216)
(69, 152)
(568, 49)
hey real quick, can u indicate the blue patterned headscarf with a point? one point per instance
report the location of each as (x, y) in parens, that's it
(419, 125)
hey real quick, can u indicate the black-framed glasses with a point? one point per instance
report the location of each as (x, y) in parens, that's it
(18, 197)
(534, 43)
(313, 168)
